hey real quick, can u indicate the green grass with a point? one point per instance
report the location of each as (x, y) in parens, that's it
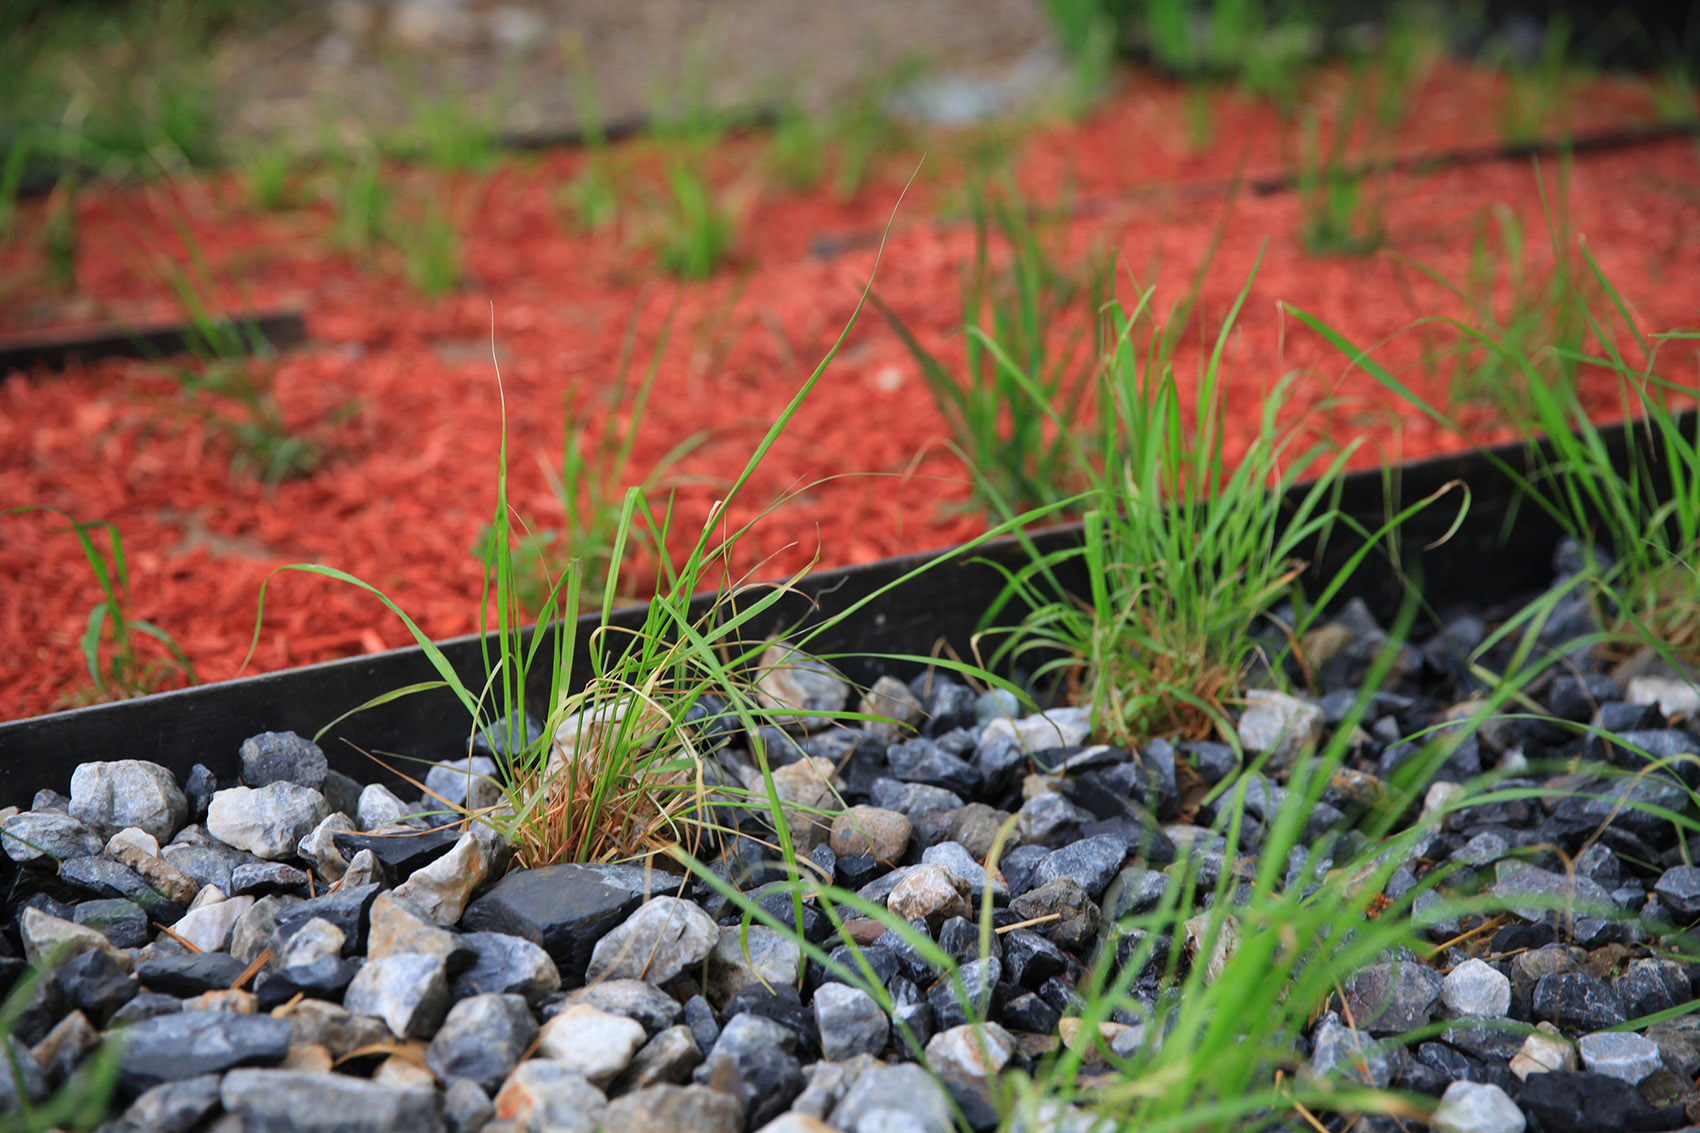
(82, 1101)
(1014, 360)
(1340, 214)
(431, 249)
(697, 229)
(111, 638)
(1537, 88)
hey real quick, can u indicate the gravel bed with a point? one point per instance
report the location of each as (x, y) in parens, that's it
(296, 951)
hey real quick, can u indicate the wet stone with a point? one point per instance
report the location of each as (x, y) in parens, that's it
(273, 757)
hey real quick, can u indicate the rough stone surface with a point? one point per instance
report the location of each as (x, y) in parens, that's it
(505, 964)
(1476, 988)
(1280, 725)
(128, 792)
(850, 1021)
(442, 888)
(931, 893)
(796, 685)
(593, 1042)
(289, 1101)
(773, 959)
(565, 909)
(871, 830)
(209, 927)
(674, 1109)
(273, 757)
(1476, 1107)
(543, 1094)
(638, 1000)
(268, 822)
(1619, 1054)
(883, 1097)
(664, 938)
(167, 1048)
(409, 991)
(974, 1050)
(34, 834)
(482, 1039)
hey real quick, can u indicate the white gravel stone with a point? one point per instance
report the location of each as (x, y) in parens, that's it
(46, 936)
(1059, 727)
(1476, 989)
(208, 927)
(442, 888)
(408, 990)
(931, 892)
(542, 1094)
(1674, 697)
(269, 822)
(318, 848)
(1544, 1050)
(1619, 1054)
(379, 806)
(135, 837)
(666, 937)
(128, 792)
(976, 1050)
(1279, 724)
(318, 939)
(596, 1043)
(1476, 1107)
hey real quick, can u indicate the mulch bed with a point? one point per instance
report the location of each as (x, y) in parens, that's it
(409, 479)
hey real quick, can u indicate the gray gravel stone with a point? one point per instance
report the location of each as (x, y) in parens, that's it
(209, 927)
(1619, 1054)
(913, 799)
(442, 888)
(408, 991)
(466, 1107)
(469, 782)
(1337, 1048)
(797, 685)
(268, 822)
(482, 1038)
(175, 1107)
(187, 1044)
(931, 893)
(1678, 890)
(379, 806)
(596, 1043)
(955, 857)
(1279, 724)
(901, 708)
(850, 1021)
(666, 1059)
(506, 964)
(1392, 998)
(128, 792)
(922, 761)
(273, 757)
(546, 1095)
(293, 1101)
(664, 938)
(673, 1109)
(1476, 1107)
(1476, 989)
(774, 959)
(1576, 1002)
(638, 1000)
(1050, 820)
(54, 834)
(1091, 862)
(887, 1091)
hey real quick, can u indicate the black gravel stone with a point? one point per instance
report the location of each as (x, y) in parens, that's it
(190, 974)
(1027, 1012)
(1092, 862)
(699, 1017)
(282, 757)
(169, 1048)
(564, 908)
(95, 985)
(401, 854)
(1029, 959)
(120, 920)
(1567, 1102)
(1522, 937)
(911, 964)
(960, 939)
(945, 704)
(199, 789)
(1018, 865)
(922, 761)
(1576, 1002)
(784, 1006)
(976, 998)
(973, 1098)
(348, 910)
(1577, 697)
(881, 960)
(1213, 761)
(260, 878)
(856, 870)
(325, 978)
(96, 876)
(343, 793)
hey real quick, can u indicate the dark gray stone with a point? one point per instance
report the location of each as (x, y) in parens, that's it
(273, 757)
(923, 761)
(973, 1000)
(168, 1048)
(257, 878)
(1392, 998)
(1678, 890)
(1093, 863)
(482, 1039)
(1577, 1002)
(565, 909)
(119, 919)
(191, 974)
(401, 854)
(95, 985)
(349, 910)
(293, 1101)
(506, 965)
(175, 1107)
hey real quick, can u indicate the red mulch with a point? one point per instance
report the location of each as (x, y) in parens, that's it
(410, 479)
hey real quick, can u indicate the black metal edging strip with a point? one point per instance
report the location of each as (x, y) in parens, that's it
(207, 723)
(58, 350)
